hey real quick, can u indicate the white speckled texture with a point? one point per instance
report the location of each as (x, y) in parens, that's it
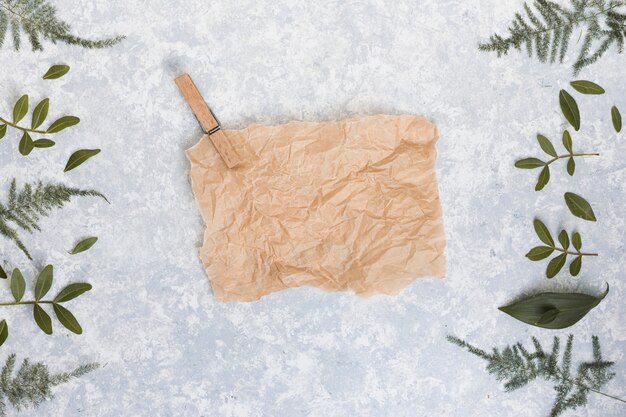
(168, 348)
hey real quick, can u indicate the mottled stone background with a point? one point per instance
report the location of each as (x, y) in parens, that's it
(168, 348)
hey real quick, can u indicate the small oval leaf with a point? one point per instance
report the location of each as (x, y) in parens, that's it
(543, 233)
(544, 178)
(579, 207)
(529, 163)
(577, 241)
(616, 117)
(564, 239)
(546, 145)
(571, 308)
(20, 109)
(44, 282)
(574, 267)
(40, 113)
(72, 291)
(539, 252)
(79, 157)
(3, 131)
(42, 319)
(555, 265)
(56, 71)
(67, 319)
(587, 87)
(567, 141)
(63, 123)
(84, 245)
(43, 143)
(569, 109)
(26, 144)
(4, 332)
(18, 285)
(571, 166)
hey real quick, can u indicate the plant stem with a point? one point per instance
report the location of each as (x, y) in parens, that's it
(23, 129)
(570, 155)
(15, 303)
(561, 377)
(572, 253)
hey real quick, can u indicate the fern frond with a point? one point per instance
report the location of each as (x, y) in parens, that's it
(25, 208)
(545, 30)
(517, 367)
(33, 383)
(38, 20)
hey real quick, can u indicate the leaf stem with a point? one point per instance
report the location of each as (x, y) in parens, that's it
(15, 303)
(575, 253)
(570, 155)
(560, 376)
(23, 129)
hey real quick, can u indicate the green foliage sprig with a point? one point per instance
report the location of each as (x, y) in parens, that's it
(548, 148)
(33, 383)
(518, 366)
(24, 208)
(38, 20)
(556, 264)
(547, 30)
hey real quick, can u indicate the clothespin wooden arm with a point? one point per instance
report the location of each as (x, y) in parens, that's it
(209, 123)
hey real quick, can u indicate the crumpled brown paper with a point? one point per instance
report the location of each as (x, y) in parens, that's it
(348, 205)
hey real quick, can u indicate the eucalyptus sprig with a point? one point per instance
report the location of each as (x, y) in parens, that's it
(556, 264)
(547, 146)
(42, 286)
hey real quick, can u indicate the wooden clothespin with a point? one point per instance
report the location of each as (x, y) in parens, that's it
(209, 123)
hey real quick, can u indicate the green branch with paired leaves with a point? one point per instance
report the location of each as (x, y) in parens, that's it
(539, 253)
(38, 20)
(42, 287)
(33, 383)
(518, 366)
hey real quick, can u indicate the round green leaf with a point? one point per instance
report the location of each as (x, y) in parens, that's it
(84, 245)
(43, 143)
(579, 207)
(543, 233)
(564, 239)
(555, 265)
(40, 113)
(587, 87)
(63, 123)
(569, 109)
(42, 319)
(574, 267)
(616, 117)
(539, 252)
(571, 166)
(67, 319)
(546, 145)
(4, 332)
(56, 71)
(529, 163)
(577, 241)
(567, 141)
(20, 109)
(544, 178)
(79, 157)
(26, 144)
(44, 282)
(72, 291)
(18, 285)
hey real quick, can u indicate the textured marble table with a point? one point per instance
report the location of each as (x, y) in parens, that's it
(168, 348)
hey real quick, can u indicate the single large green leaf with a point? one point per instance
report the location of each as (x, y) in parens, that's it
(587, 87)
(529, 163)
(539, 252)
(79, 157)
(570, 109)
(63, 123)
(555, 265)
(67, 319)
(579, 207)
(18, 285)
(42, 319)
(546, 145)
(616, 117)
(83, 245)
(72, 291)
(538, 310)
(40, 113)
(544, 178)
(56, 71)
(543, 233)
(4, 332)
(26, 144)
(44, 282)
(20, 109)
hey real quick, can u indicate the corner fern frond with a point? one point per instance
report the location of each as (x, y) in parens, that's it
(25, 208)
(38, 20)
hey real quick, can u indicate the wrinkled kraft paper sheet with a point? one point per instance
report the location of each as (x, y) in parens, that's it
(348, 205)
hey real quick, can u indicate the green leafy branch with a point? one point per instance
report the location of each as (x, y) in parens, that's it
(518, 366)
(37, 18)
(33, 383)
(556, 264)
(546, 30)
(548, 148)
(42, 286)
(24, 208)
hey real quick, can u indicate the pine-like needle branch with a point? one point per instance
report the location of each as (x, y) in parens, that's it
(517, 367)
(24, 208)
(38, 20)
(547, 30)
(33, 383)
